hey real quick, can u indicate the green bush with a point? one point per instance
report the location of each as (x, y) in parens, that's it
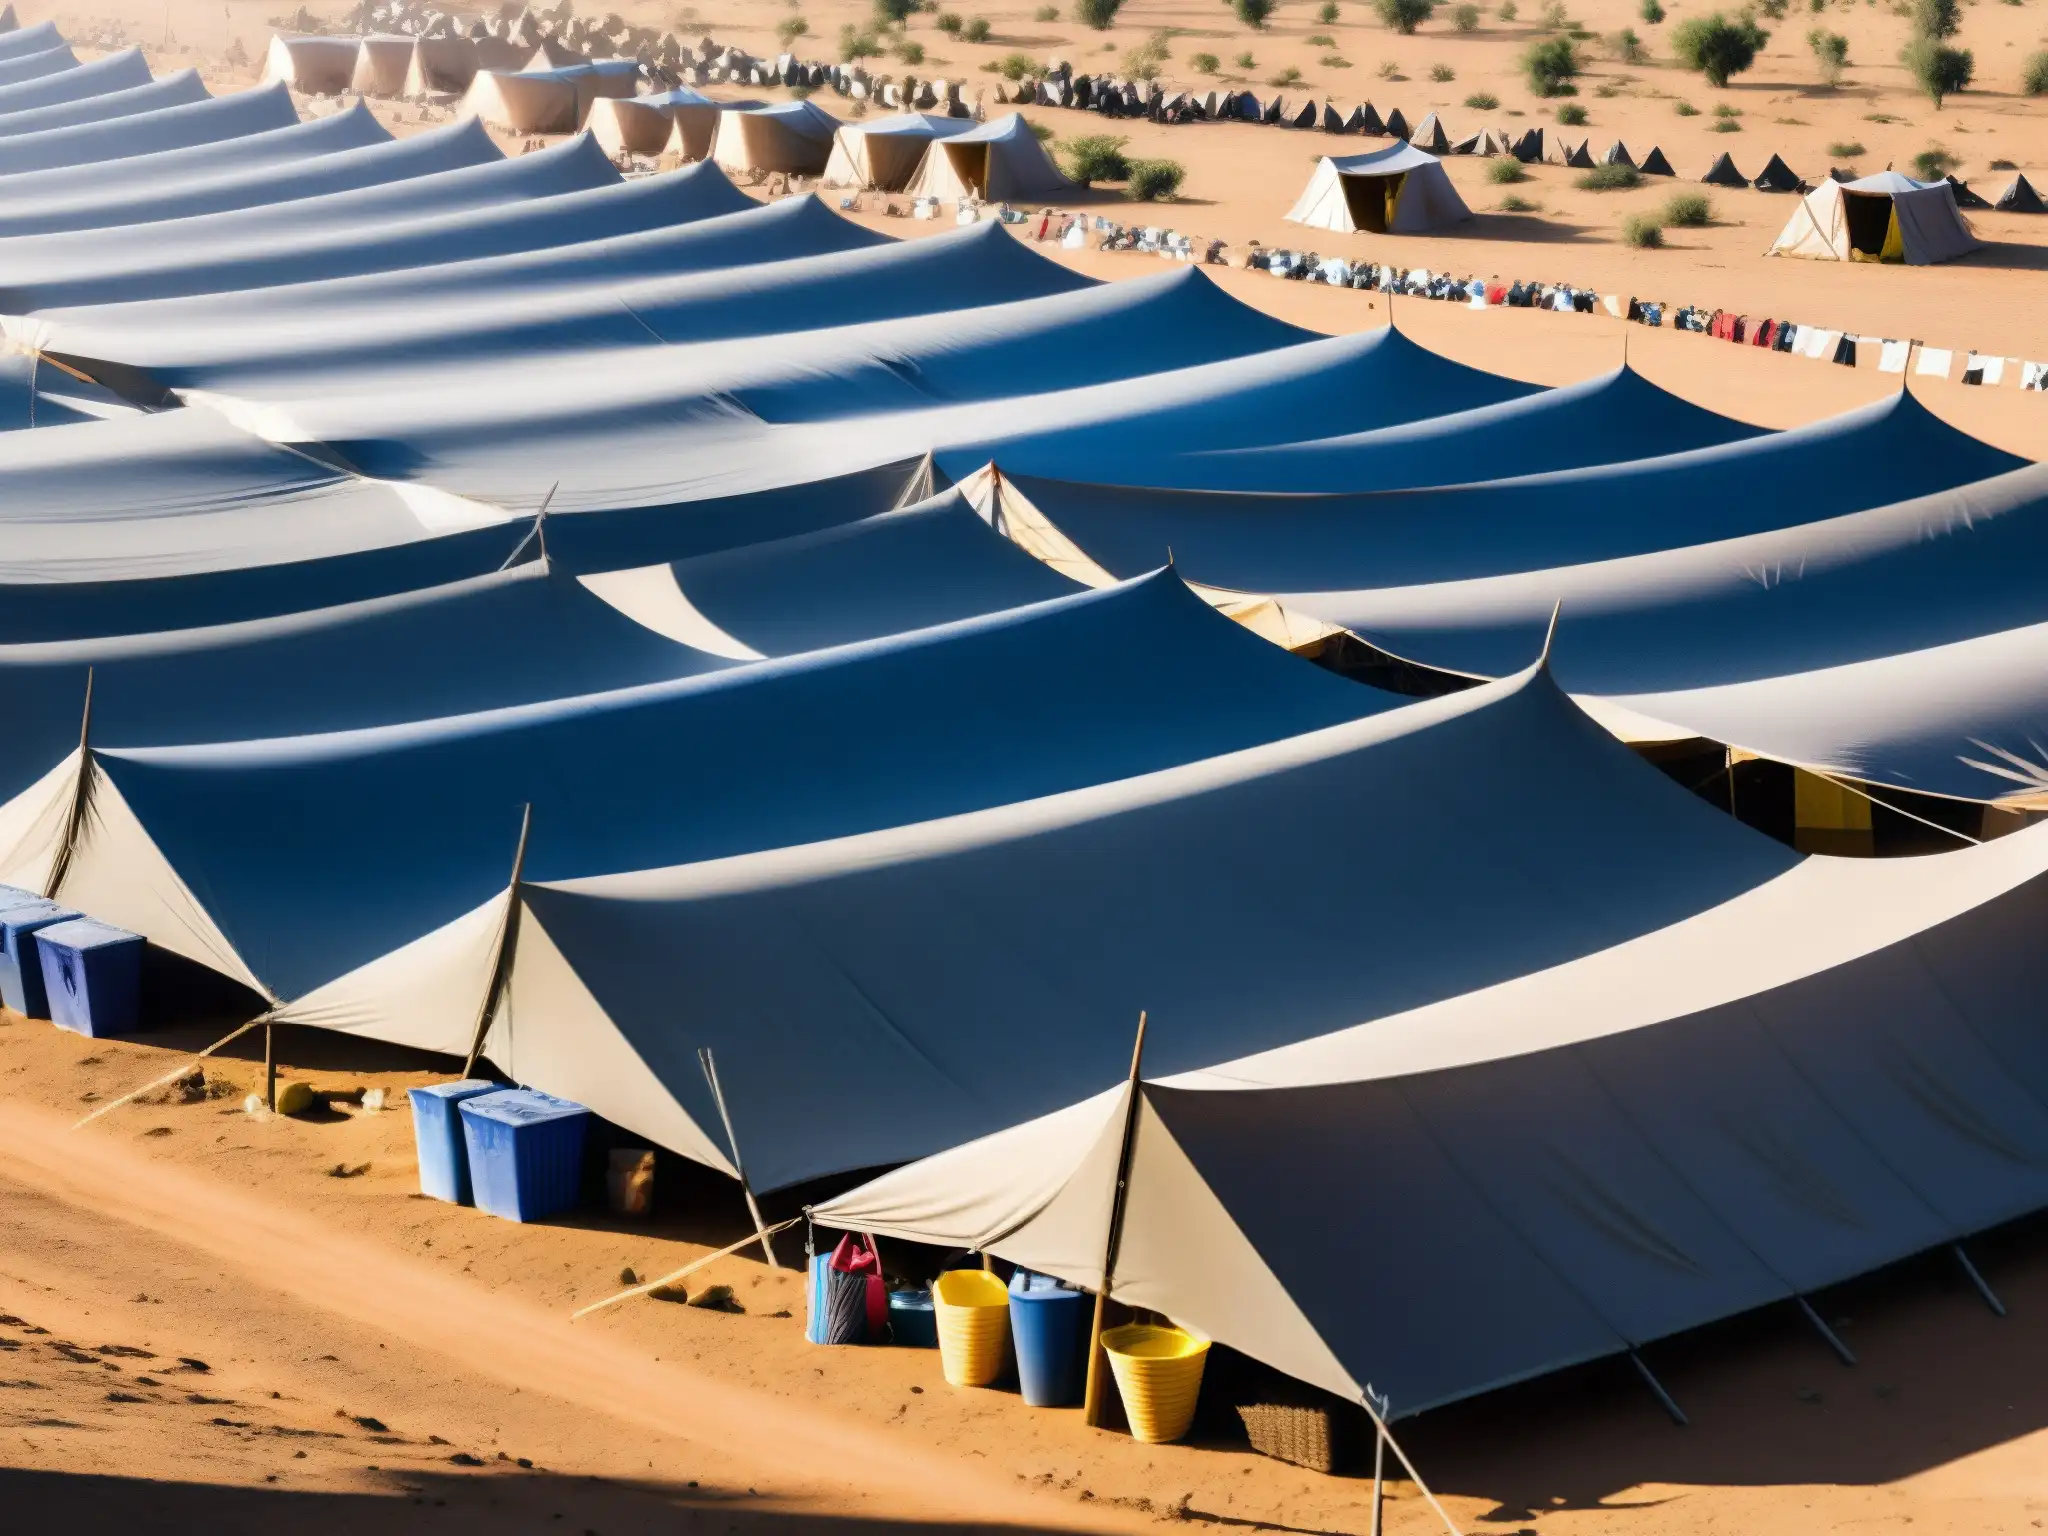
(789, 29)
(1046, 13)
(1937, 69)
(1628, 48)
(1099, 14)
(1846, 149)
(1641, 232)
(1245, 60)
(1145, 61)
(2034, 75)
(1717, 47)
(1936, 18)
(1288, 76)
(1725, 125)
(1688, 210)
(1389, 70)
(1507, 11)
(1933, 164)
(1334, 61)
(1610, 178)
(1404, 16)
(1773, 9)
(1154, 181)
(1442, 74)
(1830, 52)
(977, 30)
(908, 51)
(893, 13)
(1506, 170)
(1019, 66)
(1204, 63)
(1483, 101)
(1253, 13)
(1651, 12)
(1329, 13)
(1098, 157)
(950, 22)
(1514, 203)
(1685, 109)
(854, 43)
(1571, 115)
(1465, 18)
(1319, 40)
(1551, 66)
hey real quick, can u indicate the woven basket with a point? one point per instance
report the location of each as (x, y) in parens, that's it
(1310, 1430)
(973, 1309)
(1159, 1376)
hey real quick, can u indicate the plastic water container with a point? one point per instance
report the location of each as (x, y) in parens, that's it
(437, 1134)
(525, 1152)
(913, 1323)
(973, 1314)
(21, 969)
(1049, 1324)
(1159, 1376)
(92, 976)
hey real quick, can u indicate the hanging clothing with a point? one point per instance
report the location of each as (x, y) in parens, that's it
(1979, 369)
(1891, 356)
(1934, 362)
(1845, 350)
(2034, 376)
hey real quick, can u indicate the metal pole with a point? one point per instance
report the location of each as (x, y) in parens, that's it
(1379, 1477)
(1098, 1363)
(710, 1067)
(1983, 1289)
(1827, 1333)
(269, 1070)
(1670, 1404)
(508, 939)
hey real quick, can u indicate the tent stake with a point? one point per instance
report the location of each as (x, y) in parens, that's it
(733, 1142)
(1098, 1363)
(1656, 1387)
(1826, 1332)
(1983, 1289)
(508, 940)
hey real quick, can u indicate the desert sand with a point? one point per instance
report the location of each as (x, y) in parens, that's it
(374, 1359)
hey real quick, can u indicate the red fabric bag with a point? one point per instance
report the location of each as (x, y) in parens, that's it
(856, 1299)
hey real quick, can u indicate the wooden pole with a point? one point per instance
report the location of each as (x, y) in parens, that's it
(81, 801)
(269, 1069)
(508, 939)
(710, 1066)
(1098, 1363)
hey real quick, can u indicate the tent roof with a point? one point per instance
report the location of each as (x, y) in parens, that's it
(1394, 160)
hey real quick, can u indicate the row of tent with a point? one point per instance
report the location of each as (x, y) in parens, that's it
(803, 594)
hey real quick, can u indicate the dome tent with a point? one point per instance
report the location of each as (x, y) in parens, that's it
(1390, 191)
(999, 161)
(1886, 217)
(885, 155)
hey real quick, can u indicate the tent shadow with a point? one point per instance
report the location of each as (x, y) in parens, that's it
(2007, 256)
(1526, 229)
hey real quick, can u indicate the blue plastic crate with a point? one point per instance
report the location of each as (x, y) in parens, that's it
(21, 972)
(525, 1152)
(437, 1133)
(92, 975)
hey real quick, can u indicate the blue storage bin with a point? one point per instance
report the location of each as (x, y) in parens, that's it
(912, 1321)
(21, 971)
(437, 1134)
(1049, 1323)
(525, 1152)
(92, 975)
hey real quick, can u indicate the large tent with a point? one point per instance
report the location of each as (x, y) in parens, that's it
(1000, 161)
(550, 100)
(315, 66)
(1886, 217)
(160, 118)
(885, 154)
(790, 136)
(1399, 190)
(382, 64)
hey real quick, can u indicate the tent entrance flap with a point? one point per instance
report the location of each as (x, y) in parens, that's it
(1872, 225)
(970, 165)
(1373, 200)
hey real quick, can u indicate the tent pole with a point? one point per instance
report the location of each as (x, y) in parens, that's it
(1664, 1399)
(81, 801)
(710, 1067)
(269, 1069)
(1379, 1478)
(508, 938)
(1833, 1342)
(1983, 1289)
(1098, 1363)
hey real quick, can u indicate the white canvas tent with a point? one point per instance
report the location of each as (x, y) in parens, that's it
(316, 66)
(545, 101)
(382, 64)
(1886, 217)
(1000, 161)
(441, 66)
(1399, 190)
(791, 136)
(678, 121)
(885, 155)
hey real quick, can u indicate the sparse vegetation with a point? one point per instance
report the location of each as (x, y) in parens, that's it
(1507, 11)
(1442, 74)
(1506, 170)
(1571, 115)
(1046, 13)
(1725, 125)
(1651, 12)
(1147, 59)
(789, 29)
(1404, 16)
(1288, 76)
(1099, 14)
(909, 51)
(1465, 18)
(977, 30)
(1726, 109)
(1154, 181)
(1329, 13)
(1939, 70)
(1627, 47)
(1685, 109)
(857, 43)
(1483, 101)
(1245, 61)
(1096, 157)
(1610, 178)
(1641, 232)
(1554, 17)
(1551, 66)
(1936, 18)
(950, 22)
(1830, 52)
(1389, 70)
(1253, 13)
(1845, 149)
(893, 13)
(1774, 10)
(1933, 163)
(1320, 40)
(1515, 203)
(2034, 75)
(1717, 47)
(1204, 63)
(1688, 210)
(1334, 61)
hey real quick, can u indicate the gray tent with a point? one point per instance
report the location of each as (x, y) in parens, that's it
(1776, 176)
(1617, 154)
(1365, 120)
(2020, 197)
(1722, 173)
(1429, 135)
(1654, 164)
(1333, 120)
(1397, 125)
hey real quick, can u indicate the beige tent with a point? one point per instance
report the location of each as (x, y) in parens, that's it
(549, 54)
(441, 66)
(623, 125)
(1886, 217)
(695, 121)
(313, 66)
(551, 101)
(1399, 190)
(886, 154)
(791, 136)
(382, 64)
(1000, 162)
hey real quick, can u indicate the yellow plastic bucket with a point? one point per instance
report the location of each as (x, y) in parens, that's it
(1159, 1375)
(973, 1309)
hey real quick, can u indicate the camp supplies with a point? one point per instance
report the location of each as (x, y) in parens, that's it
(1049, 1321)
(92, 976)
(437, 1134)
(973, 1309)
(856, 1301)
(21, 969)
(525, 1152)
(912, 1322)
(1159, 1376)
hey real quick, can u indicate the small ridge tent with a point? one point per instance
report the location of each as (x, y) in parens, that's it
(1400, 190)
(2020, 197)
(1722, 173)
(1776, 177)
(791, 136)
(313, 66)
(1886, 217)
(1365, 120)
(999, 161)
(1617, 154)
(1654, 164)
(1429, 135)
(1273, 110)
(1397, 125)
(441, 66)
(884, 155)
(1542, 145)
(696, 120)
(382, 64)
(1579, 157)
(1303, 116)
(630, 125)
(1333, 120)
(1965, 198)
